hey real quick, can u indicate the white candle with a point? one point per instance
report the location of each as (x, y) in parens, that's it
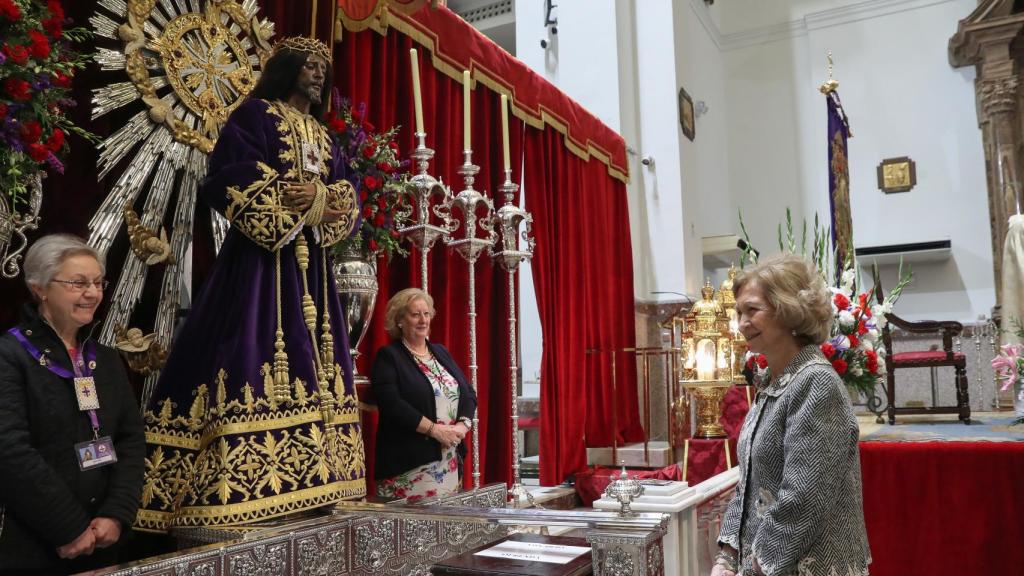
(705, 365)
(466, 132)
(504, 131)
(417, 101)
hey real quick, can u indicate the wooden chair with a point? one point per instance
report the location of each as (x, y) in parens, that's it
(926, 359)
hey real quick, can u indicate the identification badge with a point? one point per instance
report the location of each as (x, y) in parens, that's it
(310, 158)
(95, 453)
(85, 391)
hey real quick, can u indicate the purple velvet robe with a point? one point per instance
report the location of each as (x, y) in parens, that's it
(226, 443)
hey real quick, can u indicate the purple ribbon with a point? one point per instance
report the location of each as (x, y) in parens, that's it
(81, 368)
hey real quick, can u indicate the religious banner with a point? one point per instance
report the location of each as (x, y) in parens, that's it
(839, 176)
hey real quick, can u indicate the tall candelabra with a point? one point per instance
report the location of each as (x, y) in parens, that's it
(422, 233)
(470, 246)
(509, 255)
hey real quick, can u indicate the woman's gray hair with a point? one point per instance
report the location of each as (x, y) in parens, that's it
(399, 304)
(48, 253)
(796, 293)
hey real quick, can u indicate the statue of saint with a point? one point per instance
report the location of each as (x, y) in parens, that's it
(254, 416)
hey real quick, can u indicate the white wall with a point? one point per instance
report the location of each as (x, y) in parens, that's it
(587, 34)
(903, 99)
(761, 145)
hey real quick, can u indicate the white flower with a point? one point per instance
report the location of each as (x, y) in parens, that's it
(878, 311)
(846, 320)
(857, 370)
(865, 344)
(848, 277)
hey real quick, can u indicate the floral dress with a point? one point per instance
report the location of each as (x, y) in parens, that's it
(441, 476)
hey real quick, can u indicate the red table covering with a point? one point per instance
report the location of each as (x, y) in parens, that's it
(944, 507)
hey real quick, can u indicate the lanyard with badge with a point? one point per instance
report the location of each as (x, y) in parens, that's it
(100, 450)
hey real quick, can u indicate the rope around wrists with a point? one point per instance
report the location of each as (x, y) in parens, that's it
(315, 215)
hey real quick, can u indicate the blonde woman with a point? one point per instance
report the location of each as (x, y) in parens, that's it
(798, 508)
(426, 405)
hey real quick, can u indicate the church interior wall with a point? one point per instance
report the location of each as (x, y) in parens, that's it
(904, 99)
(760, 145)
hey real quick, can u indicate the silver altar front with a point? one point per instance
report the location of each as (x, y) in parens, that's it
(365, 538)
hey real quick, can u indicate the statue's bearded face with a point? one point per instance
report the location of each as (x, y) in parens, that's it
(310, 83)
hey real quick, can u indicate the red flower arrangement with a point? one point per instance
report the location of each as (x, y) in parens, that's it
(36, 67)
(380, 178)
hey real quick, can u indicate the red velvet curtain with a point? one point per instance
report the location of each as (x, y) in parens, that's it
(583, 275)
(582, 268)
(375, 70)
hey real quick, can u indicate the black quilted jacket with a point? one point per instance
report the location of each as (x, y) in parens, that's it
(46, 501)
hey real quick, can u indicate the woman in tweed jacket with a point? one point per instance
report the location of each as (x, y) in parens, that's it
(797, 509)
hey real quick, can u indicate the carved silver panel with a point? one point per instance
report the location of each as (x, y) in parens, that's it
(618, 562)
(417, 535)
(321, 554)
(375, 543)
(208, 568)
(260, 561)
(655, 560)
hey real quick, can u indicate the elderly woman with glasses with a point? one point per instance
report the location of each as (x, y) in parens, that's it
(71, 439)
(426, 405)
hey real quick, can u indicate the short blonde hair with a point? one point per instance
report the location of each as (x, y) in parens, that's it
(399, 304)
(796, 292)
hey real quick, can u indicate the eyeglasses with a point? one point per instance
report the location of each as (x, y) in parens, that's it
(83, 285)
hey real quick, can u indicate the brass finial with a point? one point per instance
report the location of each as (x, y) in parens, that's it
(830, 85)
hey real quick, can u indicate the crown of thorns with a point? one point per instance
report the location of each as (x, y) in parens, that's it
(306, 46)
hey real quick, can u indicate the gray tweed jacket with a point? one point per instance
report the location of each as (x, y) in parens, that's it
(798, 506)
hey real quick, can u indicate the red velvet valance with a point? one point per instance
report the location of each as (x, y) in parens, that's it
(457, 46)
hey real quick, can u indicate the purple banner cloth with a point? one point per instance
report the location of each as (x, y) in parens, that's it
(839, 181)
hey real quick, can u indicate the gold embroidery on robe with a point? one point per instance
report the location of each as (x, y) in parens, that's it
(259, 213)
(250, 448)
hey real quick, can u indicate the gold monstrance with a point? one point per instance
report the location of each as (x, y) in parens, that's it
(708, 367)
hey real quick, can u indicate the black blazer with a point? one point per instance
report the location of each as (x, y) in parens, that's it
(404, 396)
(47, 500)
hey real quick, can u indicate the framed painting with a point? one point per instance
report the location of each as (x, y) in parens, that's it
(897, 175)
(686, 115)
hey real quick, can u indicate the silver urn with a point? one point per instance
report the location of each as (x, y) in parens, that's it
(355, 275)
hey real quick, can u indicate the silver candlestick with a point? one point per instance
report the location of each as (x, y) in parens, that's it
(470, 246)
(509, 255)
(422, 233)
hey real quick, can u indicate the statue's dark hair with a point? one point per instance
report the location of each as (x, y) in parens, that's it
(282, 73)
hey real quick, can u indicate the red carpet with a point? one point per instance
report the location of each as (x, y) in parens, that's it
(939, 508)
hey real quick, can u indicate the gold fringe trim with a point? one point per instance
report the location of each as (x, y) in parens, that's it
(252, 511)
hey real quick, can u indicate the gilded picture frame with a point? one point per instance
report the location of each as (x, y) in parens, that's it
(897, 175)
(686, 115)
